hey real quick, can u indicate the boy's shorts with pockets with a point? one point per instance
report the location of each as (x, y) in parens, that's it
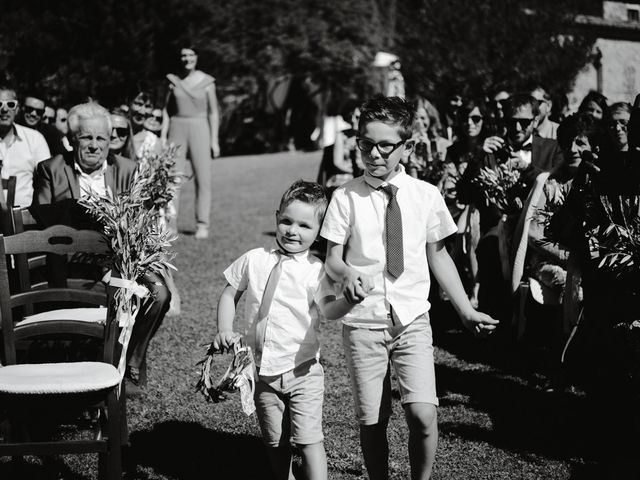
(289, 406)
(368, 352)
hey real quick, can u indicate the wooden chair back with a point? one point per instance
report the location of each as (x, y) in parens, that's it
(61, 240)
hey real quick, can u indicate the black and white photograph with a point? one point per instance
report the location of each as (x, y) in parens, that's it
(320, 240)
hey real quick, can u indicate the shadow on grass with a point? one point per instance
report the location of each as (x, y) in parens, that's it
(524, 419)
(35, 469)
(189, 451)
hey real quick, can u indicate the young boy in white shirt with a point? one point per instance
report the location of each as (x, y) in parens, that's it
(378, 227)
(284, 285)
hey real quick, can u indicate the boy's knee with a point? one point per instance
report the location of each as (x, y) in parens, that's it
(421, 416)
(310, 447)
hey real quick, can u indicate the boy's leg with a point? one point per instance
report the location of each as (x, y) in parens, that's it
(280, 460)
(314, 461)
(273, 416)
(375, 449)
(304, 387)
(412, 358)
(423, 438)
(368, 363)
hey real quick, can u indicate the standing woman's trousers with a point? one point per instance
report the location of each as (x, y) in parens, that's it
(194, 137)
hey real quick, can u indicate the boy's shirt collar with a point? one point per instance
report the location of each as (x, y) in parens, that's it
(298, 256)
(375, 182)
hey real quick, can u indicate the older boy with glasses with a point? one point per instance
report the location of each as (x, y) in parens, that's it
(385, 230)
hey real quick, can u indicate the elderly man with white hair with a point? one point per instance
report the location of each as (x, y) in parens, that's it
(60, 181)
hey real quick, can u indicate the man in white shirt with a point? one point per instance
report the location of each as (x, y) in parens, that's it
(21, 148)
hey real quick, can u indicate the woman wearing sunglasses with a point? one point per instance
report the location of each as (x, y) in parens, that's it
(474, 124)
(121, 135)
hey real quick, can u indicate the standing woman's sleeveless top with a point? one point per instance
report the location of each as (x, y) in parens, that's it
(189, 101)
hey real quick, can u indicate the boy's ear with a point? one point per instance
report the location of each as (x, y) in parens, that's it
(277, 214)
(409, 144)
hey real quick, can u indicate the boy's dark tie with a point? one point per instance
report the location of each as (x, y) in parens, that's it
(393, 223)
(265, 304)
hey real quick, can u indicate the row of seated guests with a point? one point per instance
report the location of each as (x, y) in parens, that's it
(52, 186)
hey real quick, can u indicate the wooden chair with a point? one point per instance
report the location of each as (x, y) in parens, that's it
(26, 265)
(28, 390)
(6, 203)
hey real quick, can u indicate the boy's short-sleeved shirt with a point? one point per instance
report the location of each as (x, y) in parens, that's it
(356, 218)
(291, 336)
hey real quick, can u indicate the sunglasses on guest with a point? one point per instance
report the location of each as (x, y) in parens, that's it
(9, 104)
(523, 122)
(121, 131)
(475, 118)
(37, 111)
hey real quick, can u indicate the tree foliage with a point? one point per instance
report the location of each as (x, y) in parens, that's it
(108, 49)
(477, 47)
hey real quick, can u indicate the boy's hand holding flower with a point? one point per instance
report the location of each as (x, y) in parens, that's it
(223, 341)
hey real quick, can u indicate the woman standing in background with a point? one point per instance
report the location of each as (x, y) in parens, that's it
(191, 120)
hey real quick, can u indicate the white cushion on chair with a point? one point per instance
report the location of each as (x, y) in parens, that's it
(56, 378)
(91, 315)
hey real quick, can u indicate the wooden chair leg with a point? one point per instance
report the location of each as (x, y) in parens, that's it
(114, 468)
(124, 430)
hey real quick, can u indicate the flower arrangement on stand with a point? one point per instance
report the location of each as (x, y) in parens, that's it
(139, 241)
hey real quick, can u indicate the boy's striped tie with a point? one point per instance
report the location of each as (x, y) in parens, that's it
(393, 223)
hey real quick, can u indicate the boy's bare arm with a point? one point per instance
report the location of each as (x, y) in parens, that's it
(447, 276)
(355, 285)
(226, 337)
(334, 308)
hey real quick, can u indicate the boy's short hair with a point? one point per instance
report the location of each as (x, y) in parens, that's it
(311, 193)
(394, 111)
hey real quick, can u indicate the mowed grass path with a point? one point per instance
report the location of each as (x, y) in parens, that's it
(492, 424)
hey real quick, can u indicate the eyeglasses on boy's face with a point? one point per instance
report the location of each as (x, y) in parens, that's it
(522, 122)
(8, 104)
(384, 148)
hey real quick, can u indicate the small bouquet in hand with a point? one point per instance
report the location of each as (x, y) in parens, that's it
(502, 187)
(239, 376)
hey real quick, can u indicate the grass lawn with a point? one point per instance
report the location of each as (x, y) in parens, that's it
(493, 424)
